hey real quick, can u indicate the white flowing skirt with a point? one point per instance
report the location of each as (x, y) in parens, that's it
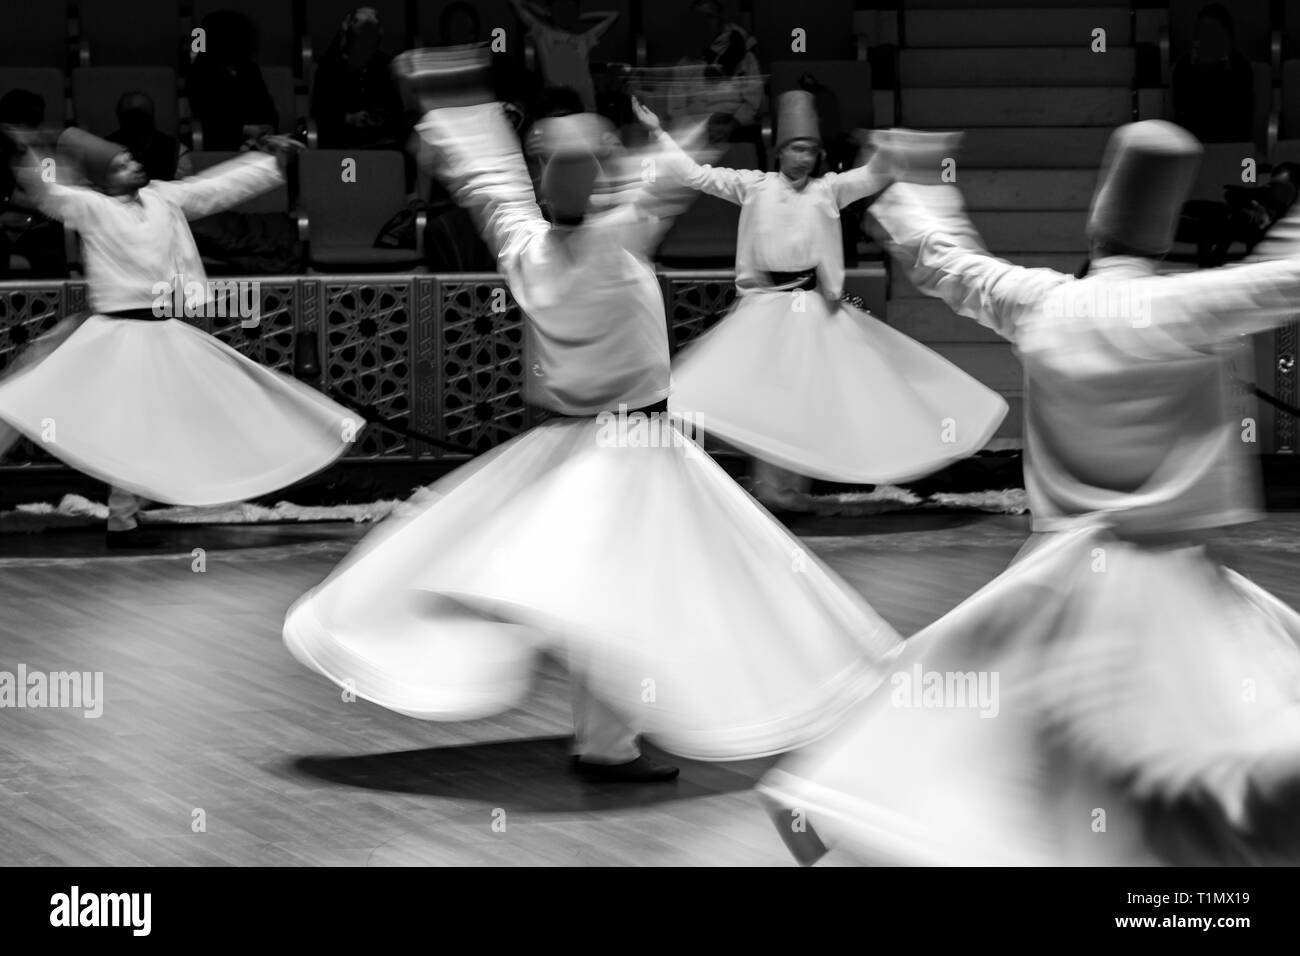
(169, 412)
(1099, 703)
(833, 395)
(682, 604)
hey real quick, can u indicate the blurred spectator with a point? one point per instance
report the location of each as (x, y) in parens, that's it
(354, 99)
(731, 70)
(25, 232)
(225, 87)
(162, 156)
(1245, 216)
(562, 46)
(1213, 85)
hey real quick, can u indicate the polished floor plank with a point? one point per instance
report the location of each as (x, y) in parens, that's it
(205, 711)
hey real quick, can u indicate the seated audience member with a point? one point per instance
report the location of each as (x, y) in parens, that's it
(225, 87)
(162, 156)
(24, 232)
(354, 99)
(1213, 85)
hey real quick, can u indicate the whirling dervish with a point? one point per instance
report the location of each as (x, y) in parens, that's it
(1116, 696)
(129, 392)
(808, 384)
(605, 536)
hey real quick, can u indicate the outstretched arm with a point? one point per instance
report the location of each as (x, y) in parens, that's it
(930, 237)
(862, 181)
(598, 30)
(476, 154)
(528, 14)
(936, 244)
(732, 185)
(1212, 306)
(38, 175)
(225, 186)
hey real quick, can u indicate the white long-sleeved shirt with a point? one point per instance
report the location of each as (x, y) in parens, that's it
(782, 229)
(596, 332)
(1127, 382)
(132, 243)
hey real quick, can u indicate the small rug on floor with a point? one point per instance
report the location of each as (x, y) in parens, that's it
(75, 511)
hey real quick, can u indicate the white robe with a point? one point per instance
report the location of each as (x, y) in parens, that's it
(690, 612)
(1145, 701)
(803, 381)
(159, 408)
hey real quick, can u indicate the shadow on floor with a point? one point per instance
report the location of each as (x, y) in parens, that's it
(88, 542)
(531, 774)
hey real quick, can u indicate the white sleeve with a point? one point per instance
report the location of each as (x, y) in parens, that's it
(224, 186)
(935, 243)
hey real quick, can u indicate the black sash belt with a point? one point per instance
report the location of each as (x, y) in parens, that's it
(795, 280)
(660, 406)
(143, 315)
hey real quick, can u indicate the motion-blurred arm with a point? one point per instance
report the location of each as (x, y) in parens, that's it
(733, 185)
(224, 186)
(476, 154)
(930, 237)
(861, 181)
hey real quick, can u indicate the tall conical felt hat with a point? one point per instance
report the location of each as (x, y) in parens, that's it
(1146, 176)
(444, 77)
(796, 117)
(915, 156)
(92, 154)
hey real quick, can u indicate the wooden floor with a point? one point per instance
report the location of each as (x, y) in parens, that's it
(207, 720)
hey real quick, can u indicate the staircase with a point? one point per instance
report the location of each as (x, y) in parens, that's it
(1037, 106)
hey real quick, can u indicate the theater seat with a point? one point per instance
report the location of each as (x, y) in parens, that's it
(275, 201)
(340, 221)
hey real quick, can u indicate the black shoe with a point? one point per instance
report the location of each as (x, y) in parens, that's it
(640, 770)
(803, 843)
(133, 540)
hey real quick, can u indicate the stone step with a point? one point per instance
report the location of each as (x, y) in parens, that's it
(1025, 189)
(930, 107)
(976, 27)
(994, 364)
(991, 67)
(930, 321)
(1039, 231)
(1048, 147)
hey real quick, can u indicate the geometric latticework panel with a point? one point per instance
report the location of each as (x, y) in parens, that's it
(445, 355)
(27, 313)
(696, 303)
(366, 327)
(1284, 385)
(270, 340)
(482, 363)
